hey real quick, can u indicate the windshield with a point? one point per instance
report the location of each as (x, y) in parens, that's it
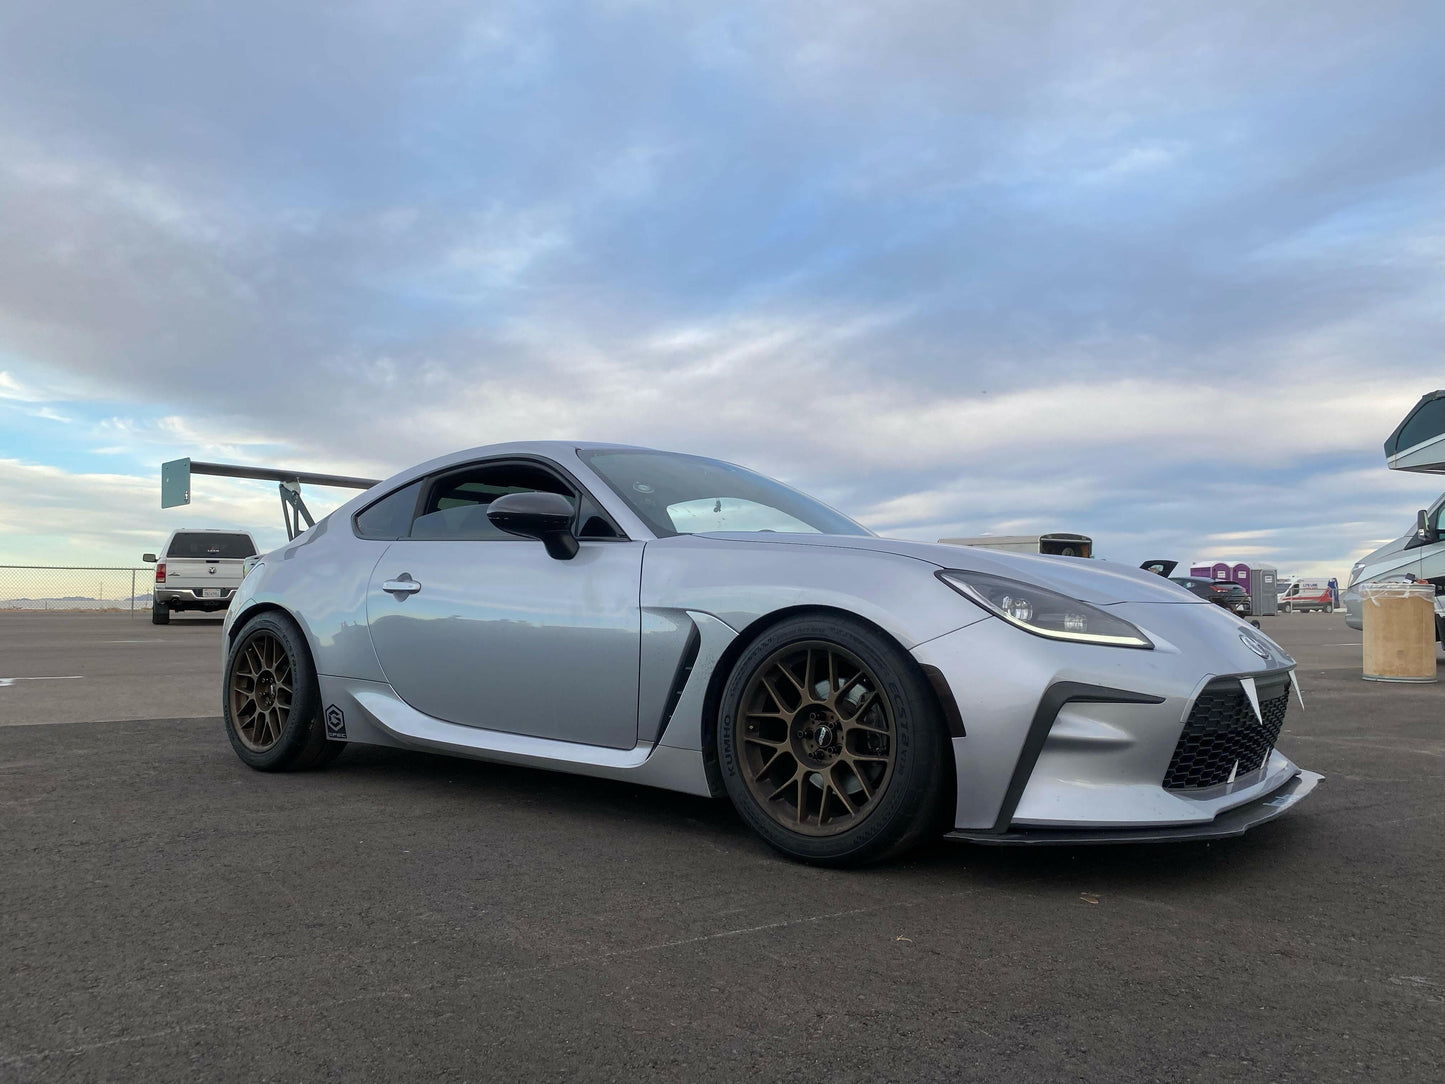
(687, 494)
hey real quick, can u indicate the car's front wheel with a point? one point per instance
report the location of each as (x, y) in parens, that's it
(831, 744)
(271, 702)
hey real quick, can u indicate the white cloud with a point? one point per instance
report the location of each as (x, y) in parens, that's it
(955, 267)
(55, 517)
(11, 388)
(50, 415)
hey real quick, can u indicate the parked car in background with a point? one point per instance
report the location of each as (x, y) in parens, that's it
(1306, 595)
(1057, 544)
(1231, 596)
(198, 570)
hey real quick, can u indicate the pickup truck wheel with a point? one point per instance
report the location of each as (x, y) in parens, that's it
(270, 700)
(160, 615)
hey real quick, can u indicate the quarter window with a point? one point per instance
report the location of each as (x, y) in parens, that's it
(391, 516)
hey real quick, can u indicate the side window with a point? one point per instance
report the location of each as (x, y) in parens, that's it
(456, 504)
(389, 517)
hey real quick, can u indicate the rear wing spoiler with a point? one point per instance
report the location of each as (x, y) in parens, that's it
(176, 486)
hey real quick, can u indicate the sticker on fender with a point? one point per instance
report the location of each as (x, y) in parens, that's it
(335, 724)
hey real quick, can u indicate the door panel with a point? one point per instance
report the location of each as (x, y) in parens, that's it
(496, 634)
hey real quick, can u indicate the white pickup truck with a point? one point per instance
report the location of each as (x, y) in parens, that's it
(198, 570)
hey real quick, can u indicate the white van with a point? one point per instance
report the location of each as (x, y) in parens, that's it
(1303, 596)
(1417, 444)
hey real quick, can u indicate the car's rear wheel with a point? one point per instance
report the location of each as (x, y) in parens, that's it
(1329, 607)
(160, 615)
(271, 702)
(831, 743)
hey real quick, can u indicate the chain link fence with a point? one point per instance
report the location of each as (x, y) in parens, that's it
(31, 588)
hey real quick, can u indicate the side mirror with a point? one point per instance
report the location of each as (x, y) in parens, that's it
(544, 516)
(1423, 531)
(149, 558)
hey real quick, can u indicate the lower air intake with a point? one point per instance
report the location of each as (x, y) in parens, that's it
(1222, 739)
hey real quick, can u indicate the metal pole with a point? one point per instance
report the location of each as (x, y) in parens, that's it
(132, 593)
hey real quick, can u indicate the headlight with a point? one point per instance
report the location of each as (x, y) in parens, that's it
(1045, 613)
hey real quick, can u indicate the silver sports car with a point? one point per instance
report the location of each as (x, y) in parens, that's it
(686, 623)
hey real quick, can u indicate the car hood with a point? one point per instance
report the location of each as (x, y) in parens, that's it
(1099, 582)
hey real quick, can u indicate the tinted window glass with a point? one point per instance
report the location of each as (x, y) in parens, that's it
(687, 494)
(1425, 424)
(389, 517)
(456, 506)
(211, 544)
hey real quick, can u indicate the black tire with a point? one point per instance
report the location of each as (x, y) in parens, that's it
(294, 736)
(903, 804)
(1329, 607)
(160, 615)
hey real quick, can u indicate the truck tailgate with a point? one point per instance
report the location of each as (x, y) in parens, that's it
(198, 573)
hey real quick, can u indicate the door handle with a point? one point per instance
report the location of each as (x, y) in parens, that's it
(402, 585)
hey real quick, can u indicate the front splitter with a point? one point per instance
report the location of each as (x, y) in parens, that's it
(1234, 822)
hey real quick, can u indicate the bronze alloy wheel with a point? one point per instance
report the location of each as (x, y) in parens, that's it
(816, 738)
(261, 689)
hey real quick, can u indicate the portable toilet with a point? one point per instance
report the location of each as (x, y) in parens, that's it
(1264, 591)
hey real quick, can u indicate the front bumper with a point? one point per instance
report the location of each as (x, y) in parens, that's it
(1070, 738)
(1234, 822)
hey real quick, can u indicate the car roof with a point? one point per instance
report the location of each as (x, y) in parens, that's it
(549, 449)
(566, 453)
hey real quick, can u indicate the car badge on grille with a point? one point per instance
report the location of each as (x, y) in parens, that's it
(1254, 645)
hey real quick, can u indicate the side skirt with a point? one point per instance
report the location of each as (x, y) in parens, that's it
(370, 712)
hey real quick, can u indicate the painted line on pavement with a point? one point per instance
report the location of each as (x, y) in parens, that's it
(5, 682)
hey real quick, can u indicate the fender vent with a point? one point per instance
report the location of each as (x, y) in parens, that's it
(679, 680)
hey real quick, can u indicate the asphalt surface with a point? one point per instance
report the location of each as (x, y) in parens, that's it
(167, 914)
(75, 667)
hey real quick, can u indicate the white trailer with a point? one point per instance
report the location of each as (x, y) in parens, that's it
(1417, 444)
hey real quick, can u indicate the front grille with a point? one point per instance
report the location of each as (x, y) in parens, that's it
(1222, 732)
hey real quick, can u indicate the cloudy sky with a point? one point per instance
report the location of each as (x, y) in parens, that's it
(1167, 275)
